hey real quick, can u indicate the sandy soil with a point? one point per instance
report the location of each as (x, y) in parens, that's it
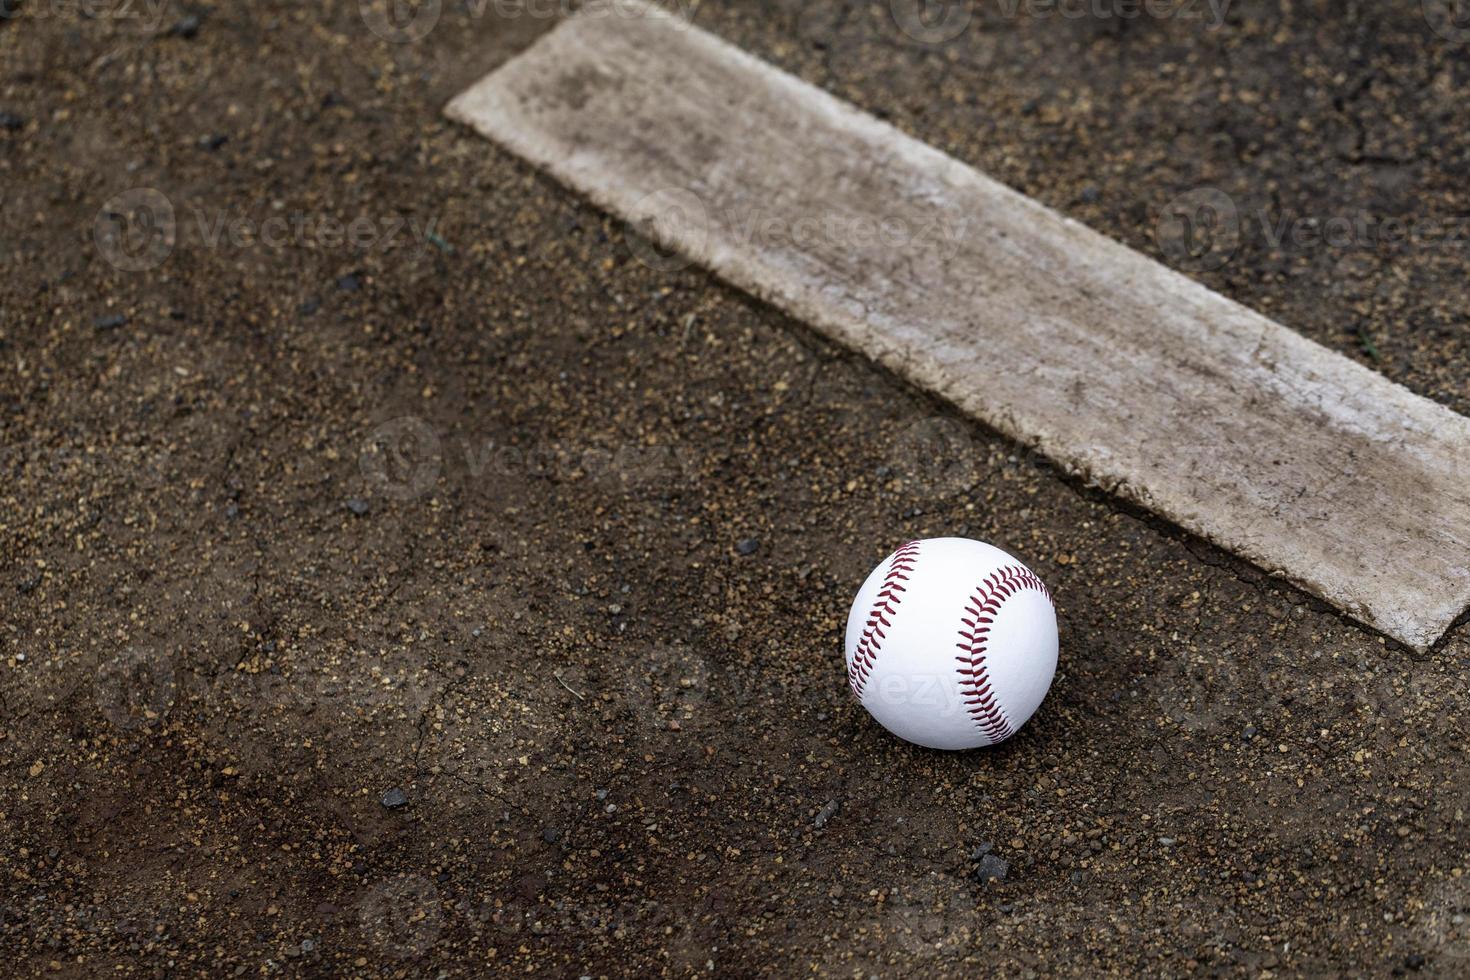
(421, 584)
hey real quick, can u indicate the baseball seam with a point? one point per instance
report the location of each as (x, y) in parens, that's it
(885, 605)
(982, 703)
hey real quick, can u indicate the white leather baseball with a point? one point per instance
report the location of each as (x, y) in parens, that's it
(951, 643)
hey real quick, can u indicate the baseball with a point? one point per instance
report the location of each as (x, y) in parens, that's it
(951, 643)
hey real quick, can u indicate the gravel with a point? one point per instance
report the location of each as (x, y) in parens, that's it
(549, 336)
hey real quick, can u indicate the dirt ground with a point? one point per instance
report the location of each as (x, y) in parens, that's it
(421, 584)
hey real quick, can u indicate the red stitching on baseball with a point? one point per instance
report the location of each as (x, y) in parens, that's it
(889, 596)
(982, 610)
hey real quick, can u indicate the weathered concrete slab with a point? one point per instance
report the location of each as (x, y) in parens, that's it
(1116, 367)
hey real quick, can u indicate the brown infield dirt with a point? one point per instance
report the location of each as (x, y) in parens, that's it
(463, 595)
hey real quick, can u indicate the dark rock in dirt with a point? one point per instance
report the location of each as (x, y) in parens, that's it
(992, 868)
(551, 835)
(747, 546)
(349, 283)
(10, 121)
(110, 322)
(357, 505)
(187, 27)
(827, 813)
(394, 799)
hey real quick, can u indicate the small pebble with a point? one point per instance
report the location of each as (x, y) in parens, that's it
(992, 868)
(10, 121)
(357, 505)
(187, 27)
(551, 835)
(747, 546)
(394, 798)
(110, 322)
(349, 284)
(827, 813)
